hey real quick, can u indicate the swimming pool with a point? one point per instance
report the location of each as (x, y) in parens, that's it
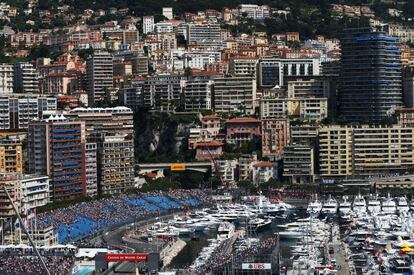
(84, 270)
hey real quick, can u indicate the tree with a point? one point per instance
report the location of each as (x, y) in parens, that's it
(40, 51)
(247, 186)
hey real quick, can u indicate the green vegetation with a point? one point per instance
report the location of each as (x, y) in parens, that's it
(232, 151)
(159, 134)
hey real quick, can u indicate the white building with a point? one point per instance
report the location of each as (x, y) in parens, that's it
(168, 13)
(148, 24)
(254, 11)
(205, 35)
(162, 27)
(91, 169)
(227, 170)
(16, 111)
(235, 95)
(246, 163)
(243, 66)
(263, 172)
(34, 191)
(198, 60)
(272, 71)
(99, 73)
(6, 79)
(197, 94)
(26, 78)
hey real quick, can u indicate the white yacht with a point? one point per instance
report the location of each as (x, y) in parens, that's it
(374, 205)
(225, 230)
(344, 207)
(330, 207)
(258, 224)
(389, 206)
(264, 206)
(402, 205)
(359, 206)
(314, 207)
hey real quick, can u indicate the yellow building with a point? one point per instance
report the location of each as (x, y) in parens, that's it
(365, 150)
(11, 157)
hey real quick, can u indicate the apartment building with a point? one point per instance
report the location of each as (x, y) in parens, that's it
(369, 90)
(227, 170)
(161, 91)
(34, 191)
(365, 151)
(299, 163)
(99, 74)
(26, 78)
(91, 169)
(205, 36)
(56, 148)
(304, 134)
(263, 171)
(255, 11)
(405, 117)
(246, 163)
(11, 157)
(102, 122)
(275, 137)
(198, 94)
(109, 135)
(243, 66)
(14, 190)
(235, 95)
(199, 60)
(315, 87)
(115, 164)
(27, 192)
(6, 79)
(272, 71)
(17, 111)
(148, 24)
(303, 108)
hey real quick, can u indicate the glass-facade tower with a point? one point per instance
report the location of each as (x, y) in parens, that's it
(370, 80)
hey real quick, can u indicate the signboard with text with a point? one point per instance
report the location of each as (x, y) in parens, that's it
(177, 167)
(256, 266)
(141, 257)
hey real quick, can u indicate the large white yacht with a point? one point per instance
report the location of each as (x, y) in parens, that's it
(402, 205)
(389, 206)
(330, 207)
(314, 207)
(359, 206)
(344, 207)
(225, 230)
(374, 205)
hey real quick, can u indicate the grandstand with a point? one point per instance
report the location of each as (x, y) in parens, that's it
(80, 220)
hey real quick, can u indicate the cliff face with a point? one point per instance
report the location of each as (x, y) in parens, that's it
(161, 137)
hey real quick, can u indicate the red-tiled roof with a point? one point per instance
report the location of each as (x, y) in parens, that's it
(213, 143)
(243, 120)
(210, 117)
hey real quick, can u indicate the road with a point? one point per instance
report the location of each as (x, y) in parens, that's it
(114, 238)
(340, 252)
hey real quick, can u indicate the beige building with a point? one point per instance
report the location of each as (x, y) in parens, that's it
(303, 108)
(11, 157)
(365, 151)
(275, 137)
